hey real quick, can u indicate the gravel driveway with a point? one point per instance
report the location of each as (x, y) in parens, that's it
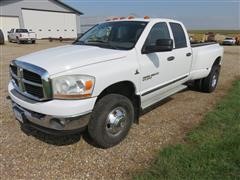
(39, 156)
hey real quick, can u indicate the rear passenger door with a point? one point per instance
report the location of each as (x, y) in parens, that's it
(182, 51)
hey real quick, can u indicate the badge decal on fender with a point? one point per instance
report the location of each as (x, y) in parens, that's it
(148, 77)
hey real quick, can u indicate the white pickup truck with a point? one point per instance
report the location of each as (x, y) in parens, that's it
(21, 35)
(106, 78)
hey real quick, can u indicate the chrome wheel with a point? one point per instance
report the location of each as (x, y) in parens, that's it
(214, 80)
(116, 121)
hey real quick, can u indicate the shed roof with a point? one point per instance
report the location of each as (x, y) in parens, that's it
(69, 7)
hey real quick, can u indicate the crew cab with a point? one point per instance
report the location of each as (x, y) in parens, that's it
(109, 75)
(21, 35)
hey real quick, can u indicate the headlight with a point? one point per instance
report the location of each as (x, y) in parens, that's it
(73, 86)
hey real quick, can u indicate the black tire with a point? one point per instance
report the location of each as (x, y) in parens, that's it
(18, 41)
(33, 41)
(209, 83)
(9, 40)
(99, 127)
(1, 37)
(197, 85)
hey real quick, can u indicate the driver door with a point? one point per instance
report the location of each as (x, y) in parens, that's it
(158, 68)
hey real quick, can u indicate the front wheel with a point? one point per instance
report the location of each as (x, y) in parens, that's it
(18, 41)
(9, 40)
(111, 120)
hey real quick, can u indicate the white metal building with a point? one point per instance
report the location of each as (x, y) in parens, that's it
(47, 18)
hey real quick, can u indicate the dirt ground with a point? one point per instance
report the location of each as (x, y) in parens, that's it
(39, 156)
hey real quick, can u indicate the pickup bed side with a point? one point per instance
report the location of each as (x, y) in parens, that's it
(204, 56)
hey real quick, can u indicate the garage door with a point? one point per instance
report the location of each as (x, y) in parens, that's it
(7, 23)
(50, 24)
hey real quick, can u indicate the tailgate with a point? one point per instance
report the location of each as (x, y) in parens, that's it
(31, 35)
(28, 35)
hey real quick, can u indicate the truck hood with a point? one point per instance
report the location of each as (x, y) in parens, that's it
(63, 58)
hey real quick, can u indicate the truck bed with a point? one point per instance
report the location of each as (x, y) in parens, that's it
(193, 45)
(203, 56)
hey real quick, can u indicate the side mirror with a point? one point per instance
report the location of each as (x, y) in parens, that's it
(161, 45)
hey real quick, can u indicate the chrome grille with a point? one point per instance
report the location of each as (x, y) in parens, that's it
(30, 76)
(30, 80)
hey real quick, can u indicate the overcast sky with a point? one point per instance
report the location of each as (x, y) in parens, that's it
(196, 14)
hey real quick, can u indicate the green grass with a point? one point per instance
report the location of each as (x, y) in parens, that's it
(211, 151)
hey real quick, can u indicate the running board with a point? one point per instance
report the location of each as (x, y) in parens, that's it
(164, 95)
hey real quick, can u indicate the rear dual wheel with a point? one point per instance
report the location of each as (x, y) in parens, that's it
(209, 83)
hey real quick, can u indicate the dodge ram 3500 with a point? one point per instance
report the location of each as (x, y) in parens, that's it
(110, 74)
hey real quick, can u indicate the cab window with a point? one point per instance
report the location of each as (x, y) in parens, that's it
(179, 35)
(158, 31)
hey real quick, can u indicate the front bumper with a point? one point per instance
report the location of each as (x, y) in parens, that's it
(228, 43)
(50, 124)
(27, 39)
(58, 115)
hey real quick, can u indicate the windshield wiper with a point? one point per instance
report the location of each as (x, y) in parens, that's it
(99, 43)
(102, 44)
(79, 42)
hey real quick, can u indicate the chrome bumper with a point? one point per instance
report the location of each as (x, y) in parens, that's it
(52, 123)
(27, 39)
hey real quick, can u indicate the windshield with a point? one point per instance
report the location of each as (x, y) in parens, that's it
(21, 30)
(121, 35)
(229, 38)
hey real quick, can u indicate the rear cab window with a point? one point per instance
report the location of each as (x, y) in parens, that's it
(179, 35)
(21, 31)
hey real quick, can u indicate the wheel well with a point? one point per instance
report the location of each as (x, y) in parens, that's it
(217, 61)
(125, 88)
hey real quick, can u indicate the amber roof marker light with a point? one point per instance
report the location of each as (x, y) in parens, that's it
(146, 17)
(131, 17)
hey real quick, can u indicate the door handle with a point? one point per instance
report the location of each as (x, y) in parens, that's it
(171, 58)
(188, 54)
